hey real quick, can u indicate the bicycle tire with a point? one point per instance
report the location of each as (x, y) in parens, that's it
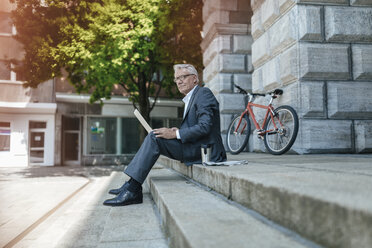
(237, 141)
(280, 141)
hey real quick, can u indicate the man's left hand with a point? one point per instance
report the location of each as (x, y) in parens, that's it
(165, 133)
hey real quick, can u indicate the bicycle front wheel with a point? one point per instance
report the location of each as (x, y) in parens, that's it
(238, 134)
(280, 139)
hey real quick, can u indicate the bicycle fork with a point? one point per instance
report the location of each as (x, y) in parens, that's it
(237, 127)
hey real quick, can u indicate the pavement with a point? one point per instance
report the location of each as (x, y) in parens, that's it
(62, 206)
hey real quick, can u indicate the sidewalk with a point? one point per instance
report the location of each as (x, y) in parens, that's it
(29, 195)
(62, 206)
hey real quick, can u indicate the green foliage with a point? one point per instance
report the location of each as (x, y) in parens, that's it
(101, 43)
(115, 48)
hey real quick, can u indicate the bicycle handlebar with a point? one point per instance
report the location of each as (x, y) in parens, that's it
(241, 90)
(274, 92)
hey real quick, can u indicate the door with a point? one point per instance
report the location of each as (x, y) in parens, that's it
(37, 142)
(71, 140)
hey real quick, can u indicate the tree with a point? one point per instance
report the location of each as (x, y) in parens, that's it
(39, 31)
(102, 43)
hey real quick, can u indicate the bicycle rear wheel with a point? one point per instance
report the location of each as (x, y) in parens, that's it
(279, 141)
(237, 135)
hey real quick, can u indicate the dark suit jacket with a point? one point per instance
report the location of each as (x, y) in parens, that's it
(201, 126)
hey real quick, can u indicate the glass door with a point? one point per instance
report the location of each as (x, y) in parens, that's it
(36, 142)
(71, 140)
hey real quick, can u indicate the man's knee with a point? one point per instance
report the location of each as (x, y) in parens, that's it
(151, 136)
(151, 140)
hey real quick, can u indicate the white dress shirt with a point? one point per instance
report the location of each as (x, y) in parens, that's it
(186, 100)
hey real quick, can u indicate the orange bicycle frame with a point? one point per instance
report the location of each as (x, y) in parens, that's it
(269, 109)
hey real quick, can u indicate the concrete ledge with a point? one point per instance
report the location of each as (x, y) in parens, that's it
(193, 217)
(323, 197)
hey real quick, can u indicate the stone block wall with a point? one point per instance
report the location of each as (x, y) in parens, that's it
(320, 53)
(227, 59)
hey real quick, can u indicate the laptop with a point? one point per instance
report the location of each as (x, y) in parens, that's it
(142, 121)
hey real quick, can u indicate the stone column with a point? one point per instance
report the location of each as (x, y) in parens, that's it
(227, 53)
(320, 53)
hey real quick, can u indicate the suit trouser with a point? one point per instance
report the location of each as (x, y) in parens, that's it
(149, 152)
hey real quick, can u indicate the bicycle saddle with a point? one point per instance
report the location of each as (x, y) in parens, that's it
(278, 92)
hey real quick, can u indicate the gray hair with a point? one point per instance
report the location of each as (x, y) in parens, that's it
(190, 68)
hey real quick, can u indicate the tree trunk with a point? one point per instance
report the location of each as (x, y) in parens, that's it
(144, 107)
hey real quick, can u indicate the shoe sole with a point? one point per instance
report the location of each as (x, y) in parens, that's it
(114, 193)
(124, 204)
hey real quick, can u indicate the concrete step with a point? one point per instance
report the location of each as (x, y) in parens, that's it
(195, 217)
(84, 222)
(325, 198)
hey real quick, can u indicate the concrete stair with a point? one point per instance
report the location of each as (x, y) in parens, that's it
(194, 217)
(326, 199)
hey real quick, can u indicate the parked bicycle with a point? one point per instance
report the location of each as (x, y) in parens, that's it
(278, 130)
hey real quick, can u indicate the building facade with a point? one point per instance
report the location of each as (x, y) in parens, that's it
(318, 51)
(27, 116)
(52, 125)
(89, 134)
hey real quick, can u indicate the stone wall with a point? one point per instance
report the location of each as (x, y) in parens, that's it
(227, 53)
(320, 53)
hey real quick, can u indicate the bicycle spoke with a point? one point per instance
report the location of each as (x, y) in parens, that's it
(283, 118)
(276, 143)
(238, 134)
(284, 122)
(282, 140)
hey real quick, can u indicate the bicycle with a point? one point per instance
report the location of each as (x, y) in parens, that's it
(278, 131)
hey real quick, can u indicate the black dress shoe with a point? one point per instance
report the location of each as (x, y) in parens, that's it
(125, 198)
(119, 190)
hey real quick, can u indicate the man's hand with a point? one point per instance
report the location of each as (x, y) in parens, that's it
(166, 133)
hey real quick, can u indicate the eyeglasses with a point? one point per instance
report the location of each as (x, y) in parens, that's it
(183, 77)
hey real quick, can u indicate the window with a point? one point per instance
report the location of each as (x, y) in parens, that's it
(6, 26)
(71, 123)
(19, 76)
(164, 122)
(130, 142)
(157, 123)
(71, 139)
(5, 136)
(37, 131)
(175, 122)
(5, 70)
(101, 135)
(37, 124)
(7, 74)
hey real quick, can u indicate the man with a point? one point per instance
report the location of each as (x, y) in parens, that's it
(200, 126)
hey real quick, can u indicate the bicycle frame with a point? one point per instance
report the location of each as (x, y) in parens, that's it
(270, 110)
